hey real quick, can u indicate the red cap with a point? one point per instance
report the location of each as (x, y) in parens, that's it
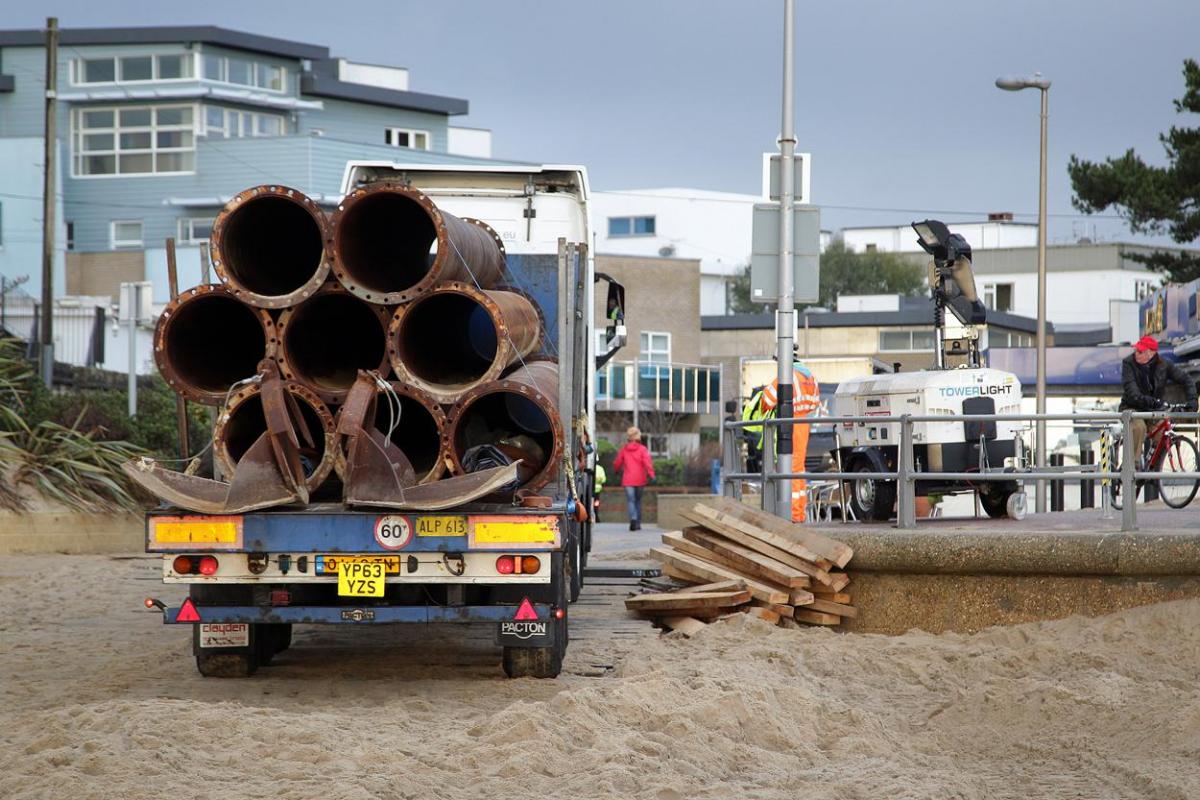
(1146, 343)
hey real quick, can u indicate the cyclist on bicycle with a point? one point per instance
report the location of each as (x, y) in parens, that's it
(1144, 379)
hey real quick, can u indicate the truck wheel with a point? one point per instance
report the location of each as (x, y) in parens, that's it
(226, 665)
(995, 503)
(870, 499)
(270, 640)
(533, 662)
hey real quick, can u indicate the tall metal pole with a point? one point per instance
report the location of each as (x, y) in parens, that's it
(785, 317)
(48, 197)
(135, 297)
(1040, 455)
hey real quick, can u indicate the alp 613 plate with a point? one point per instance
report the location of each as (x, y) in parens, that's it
(525, 633)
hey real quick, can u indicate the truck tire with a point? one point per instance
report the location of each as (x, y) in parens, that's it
(533, 662)
(226, 665)
(271, 639)
(870, 499)
(995, 503)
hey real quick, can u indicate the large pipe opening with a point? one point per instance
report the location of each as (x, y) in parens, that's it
(213, 341)
(513, 423)
(386, 242)
(416, 432)
(329, 338)
(271, 245)
(246, 423)
(448, 340)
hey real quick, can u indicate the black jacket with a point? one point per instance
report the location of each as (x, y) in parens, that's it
(1143, 389)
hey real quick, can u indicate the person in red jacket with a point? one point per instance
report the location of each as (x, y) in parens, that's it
(636, 468)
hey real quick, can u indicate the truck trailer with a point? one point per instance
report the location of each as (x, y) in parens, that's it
(512, 560)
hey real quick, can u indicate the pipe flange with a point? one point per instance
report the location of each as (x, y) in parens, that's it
(331, 454)
(530, 381)
(466, 251)
(222, 251)
(176, 375)
(287, 359)
(427, 402)
(515, 338)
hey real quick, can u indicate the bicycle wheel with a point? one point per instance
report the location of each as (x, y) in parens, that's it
(1114, 465)
(1181, 456)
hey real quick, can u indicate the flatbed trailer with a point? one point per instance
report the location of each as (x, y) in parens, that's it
(514, 566)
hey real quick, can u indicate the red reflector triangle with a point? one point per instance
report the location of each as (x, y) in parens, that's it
(526, 611)
(187, 612)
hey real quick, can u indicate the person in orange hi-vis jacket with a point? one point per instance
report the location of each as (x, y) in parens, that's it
(806, 399)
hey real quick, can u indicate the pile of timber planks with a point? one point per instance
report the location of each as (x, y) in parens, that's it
(737, 558)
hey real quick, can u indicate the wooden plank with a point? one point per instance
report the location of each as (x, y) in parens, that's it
(763, 613)
(689, 600)
(742, 559)
(714, 572)
(816, 617)
(782, 609)
(737, 533)
(830, 607)
(839, 553)
(833, 597)
(720, 586)
(688, 626)
(768, 568)
(682, 575)
(800, 597)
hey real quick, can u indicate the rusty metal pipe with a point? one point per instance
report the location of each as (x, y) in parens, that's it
(242, 421)
(456, 337)
(392, 244)
(419, 431)
(269, 246)
(207, 340)
(325, 340)
(518, 414)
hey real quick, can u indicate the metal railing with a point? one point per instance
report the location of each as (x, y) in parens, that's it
(906, 474)
(654, 386)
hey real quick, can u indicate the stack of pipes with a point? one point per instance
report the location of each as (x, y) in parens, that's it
(388, 283)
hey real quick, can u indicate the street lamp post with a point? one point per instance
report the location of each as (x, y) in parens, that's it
(1037, 81)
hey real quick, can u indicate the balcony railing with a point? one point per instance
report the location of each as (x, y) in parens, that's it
(653, 386)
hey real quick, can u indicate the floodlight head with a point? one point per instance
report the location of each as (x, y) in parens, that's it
(1013, 83)
(932, 235)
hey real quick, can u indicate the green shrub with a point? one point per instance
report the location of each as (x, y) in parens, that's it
(668, 471)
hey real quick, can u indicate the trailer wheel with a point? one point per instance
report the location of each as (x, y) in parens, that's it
(226, 665)
(870, 499)
(996, 503)
(533, 662)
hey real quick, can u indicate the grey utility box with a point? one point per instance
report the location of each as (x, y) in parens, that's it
(806, 253)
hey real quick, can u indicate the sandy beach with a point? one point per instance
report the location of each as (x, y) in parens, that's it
(99, 700)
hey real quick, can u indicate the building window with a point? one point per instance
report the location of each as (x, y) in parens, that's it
(70, 235)
(131, 69)
(195, 230)
(631, 226)
(226, 123)
(905, 341)
(657, 444)
(1003, 339)
(656, 347)
(241, 72)
(133, 140)
(404, 137)
(998, 296)
(871, 248)
(126, 233)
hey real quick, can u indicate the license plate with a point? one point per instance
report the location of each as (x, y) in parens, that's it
(225, 634)
(361, 577)
(441, 526)
(331, 565)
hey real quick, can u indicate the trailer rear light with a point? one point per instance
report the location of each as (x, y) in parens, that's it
(208, 565)
(506, 565)
(182, 565)
(530, 564)
(559, 613)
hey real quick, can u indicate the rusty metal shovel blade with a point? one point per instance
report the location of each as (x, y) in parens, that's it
(257, 483)
(443, 494)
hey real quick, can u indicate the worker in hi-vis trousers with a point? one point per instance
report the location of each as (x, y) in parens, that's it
(806, 398)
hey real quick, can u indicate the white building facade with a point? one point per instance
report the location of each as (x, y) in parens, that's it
(998, 231)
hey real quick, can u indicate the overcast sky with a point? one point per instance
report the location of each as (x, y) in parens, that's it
(895, 101)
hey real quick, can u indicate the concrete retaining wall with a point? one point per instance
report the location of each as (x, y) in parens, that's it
(59, 532)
